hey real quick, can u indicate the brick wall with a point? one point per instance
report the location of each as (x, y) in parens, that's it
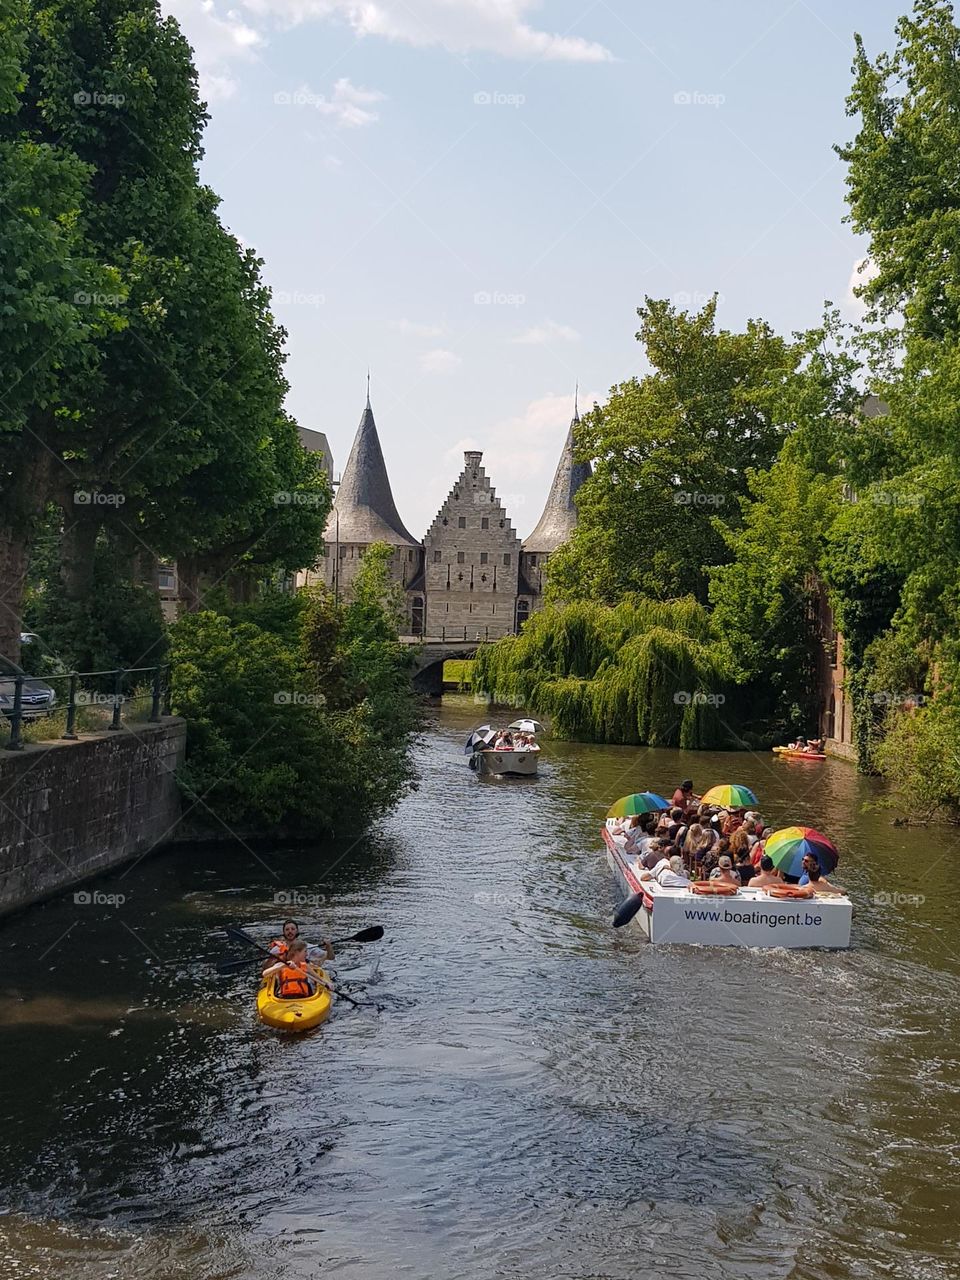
(69, 810)
(471, 560)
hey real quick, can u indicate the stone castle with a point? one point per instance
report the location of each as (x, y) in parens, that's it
(470, 576)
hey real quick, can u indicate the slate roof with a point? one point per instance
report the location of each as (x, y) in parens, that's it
(364, 502)
(559, 516)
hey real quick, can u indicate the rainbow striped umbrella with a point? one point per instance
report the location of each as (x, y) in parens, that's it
(788, 847)
(731, 796)
(639, 802)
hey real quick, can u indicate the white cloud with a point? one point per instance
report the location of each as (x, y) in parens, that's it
(223, 33)
(520, 455)
(347, 107)
(439, 361)
(492, 26)
(548, 331)
(219, 37)
(414, 329)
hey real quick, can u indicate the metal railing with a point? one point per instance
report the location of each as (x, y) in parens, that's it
(78, 696)
(457, 635)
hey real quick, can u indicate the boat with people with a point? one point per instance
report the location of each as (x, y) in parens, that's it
(300, 1014)
(802, 749)
(510, 752)
(682, 886)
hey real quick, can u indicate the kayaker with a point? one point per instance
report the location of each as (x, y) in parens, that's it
(291, 931)
(296, 978)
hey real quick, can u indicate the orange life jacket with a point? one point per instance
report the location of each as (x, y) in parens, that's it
(279, 947)
(293, 983)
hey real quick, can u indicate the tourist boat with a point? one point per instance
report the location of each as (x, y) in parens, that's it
(292, 1015)
(518, 762)
(748, 918)
(793, 754)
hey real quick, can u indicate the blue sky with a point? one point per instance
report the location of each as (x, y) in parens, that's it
(473, 196)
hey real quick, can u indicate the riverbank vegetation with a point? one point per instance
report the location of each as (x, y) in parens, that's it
(299, 710)
(143, 423)
(789, 485)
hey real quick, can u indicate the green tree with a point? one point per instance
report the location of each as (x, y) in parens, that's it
(671, 452)
(901, 179)
(764, 600)
(48, 346)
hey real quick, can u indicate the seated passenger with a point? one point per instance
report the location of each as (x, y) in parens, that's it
(296, 979)
(724, 871)
(819, 883)
(658, 849)
(767, 875)
(670, 875)
(744, 867)
(732, 822)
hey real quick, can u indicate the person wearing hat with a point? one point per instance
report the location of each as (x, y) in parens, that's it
(724, 870)
(683, 797)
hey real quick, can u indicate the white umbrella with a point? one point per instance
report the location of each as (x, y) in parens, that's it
(527, 726)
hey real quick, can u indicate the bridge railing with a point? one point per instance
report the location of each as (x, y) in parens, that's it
(457, 635)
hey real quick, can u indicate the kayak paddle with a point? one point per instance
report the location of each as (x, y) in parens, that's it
(372, 934)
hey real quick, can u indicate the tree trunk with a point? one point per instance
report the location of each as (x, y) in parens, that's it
(81, 524)
(24, 500)
(188, 584)
(14, 562)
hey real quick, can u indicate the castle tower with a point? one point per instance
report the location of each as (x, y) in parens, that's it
(471, 561)
(364, 512)
(556, 524)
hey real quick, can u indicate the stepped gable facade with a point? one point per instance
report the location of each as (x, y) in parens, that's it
(471, 575)
(471, 560)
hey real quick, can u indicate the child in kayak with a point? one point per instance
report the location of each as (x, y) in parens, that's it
(296, 978)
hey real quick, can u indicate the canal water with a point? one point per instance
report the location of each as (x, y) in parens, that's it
(538, 1096)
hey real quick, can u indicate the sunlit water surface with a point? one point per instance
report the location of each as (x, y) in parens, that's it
(539, 1096)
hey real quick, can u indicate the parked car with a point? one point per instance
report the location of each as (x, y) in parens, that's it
(37, 699)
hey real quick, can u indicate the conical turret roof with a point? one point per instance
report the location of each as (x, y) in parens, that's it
(364, 510)
(559, 518)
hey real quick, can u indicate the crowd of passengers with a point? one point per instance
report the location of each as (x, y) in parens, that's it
(514, 741)
(695, 841)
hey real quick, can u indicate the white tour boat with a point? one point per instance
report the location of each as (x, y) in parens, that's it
(517, 760)
(748, 918)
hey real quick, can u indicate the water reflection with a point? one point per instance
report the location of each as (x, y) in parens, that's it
(541, 1096)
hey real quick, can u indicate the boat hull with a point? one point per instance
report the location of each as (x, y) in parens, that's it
(799, 755)
(293, 1015)
(750, 919)
(507, 764)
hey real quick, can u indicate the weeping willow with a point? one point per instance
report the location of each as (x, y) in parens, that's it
(643, 672)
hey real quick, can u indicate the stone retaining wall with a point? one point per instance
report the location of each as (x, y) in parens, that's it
(69, 810)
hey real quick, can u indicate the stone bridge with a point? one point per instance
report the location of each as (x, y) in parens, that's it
(433, 652)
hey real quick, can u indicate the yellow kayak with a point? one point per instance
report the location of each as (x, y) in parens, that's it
(293, 1015)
